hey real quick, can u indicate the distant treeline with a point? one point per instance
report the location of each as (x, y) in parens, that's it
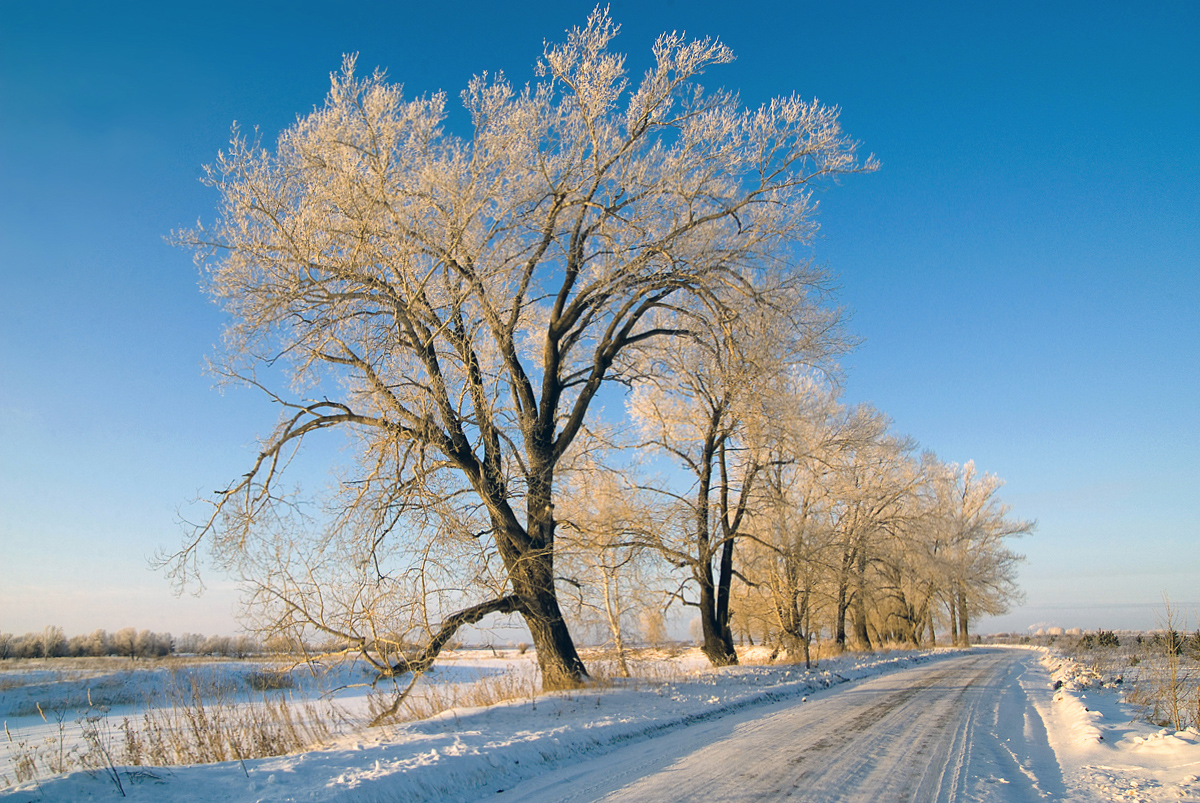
(52, 642)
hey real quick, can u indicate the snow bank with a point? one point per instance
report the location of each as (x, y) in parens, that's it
(1103, 742)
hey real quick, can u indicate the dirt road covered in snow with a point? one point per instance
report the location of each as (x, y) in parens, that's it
(961, 729)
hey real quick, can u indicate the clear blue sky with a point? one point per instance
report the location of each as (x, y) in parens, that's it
(1025, 267)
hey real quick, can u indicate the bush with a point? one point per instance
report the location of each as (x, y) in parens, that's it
(270, 680)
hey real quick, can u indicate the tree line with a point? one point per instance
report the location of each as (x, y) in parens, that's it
(461, 300)
(130, 642)
(798, 519)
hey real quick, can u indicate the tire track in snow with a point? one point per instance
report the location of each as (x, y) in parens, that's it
(932, 733)
(907, 731)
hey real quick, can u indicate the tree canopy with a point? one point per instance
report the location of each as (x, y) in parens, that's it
(454, 303)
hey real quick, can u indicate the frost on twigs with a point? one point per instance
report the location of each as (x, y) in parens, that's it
(453, 304)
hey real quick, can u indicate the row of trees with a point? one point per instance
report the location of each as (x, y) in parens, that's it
(456, 304)
(799, 517)
(52, 642)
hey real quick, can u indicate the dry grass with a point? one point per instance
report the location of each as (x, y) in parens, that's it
(647, 667)
(1167, 691)
(1161, 681)
(270, 680)
(203, 722)
(205, 725)
(101, 663)
(818, 651)
(200, 723)
(426, 701)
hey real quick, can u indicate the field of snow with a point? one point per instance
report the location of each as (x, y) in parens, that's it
(1097, 748)
(47, 706)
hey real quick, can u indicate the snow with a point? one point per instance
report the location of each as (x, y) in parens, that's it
(1097, 747)
(1110, 753)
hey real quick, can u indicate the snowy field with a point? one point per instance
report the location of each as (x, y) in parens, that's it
(1079, 742)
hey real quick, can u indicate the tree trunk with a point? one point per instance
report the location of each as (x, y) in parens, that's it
(791, 625)
(724, 586)
(798, 637)
(918, 625)
(531, 573)
(860, 605)
(533, 583)
(953, 619)
(612, 610)
(964, 635)
(725, 571)
(843, 603)
(718, 649)
(717, 646)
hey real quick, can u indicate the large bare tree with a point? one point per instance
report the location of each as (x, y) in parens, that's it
(454, 302)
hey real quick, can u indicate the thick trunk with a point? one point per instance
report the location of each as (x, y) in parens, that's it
(791, 611)
(839, 637)
(928, 611)
(964, 635)
(953, 621)
(789, 622)
(909, 629)
(533, 583)
(529, 559)
(730, 522)
(717, 646)
(860, 605)
(861, 636)
(724, 585)
(921, 618)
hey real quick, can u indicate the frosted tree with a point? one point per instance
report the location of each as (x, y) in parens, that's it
(713, 402)
(793, 545)
(977, 566)
(453, 303)
(874, 478)
(612, 581)
(907, 561)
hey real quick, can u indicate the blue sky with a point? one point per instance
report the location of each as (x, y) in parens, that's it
(1024, 269)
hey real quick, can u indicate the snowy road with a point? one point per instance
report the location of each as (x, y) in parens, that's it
(961, 729)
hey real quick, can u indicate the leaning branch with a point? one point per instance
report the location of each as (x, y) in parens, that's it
(423, 660)
(420, 663)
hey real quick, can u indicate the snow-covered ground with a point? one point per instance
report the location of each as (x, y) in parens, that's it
(46, 705)
(1107, 751)
(472, 753)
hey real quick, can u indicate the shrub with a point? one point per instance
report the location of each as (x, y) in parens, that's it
(270, 680)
